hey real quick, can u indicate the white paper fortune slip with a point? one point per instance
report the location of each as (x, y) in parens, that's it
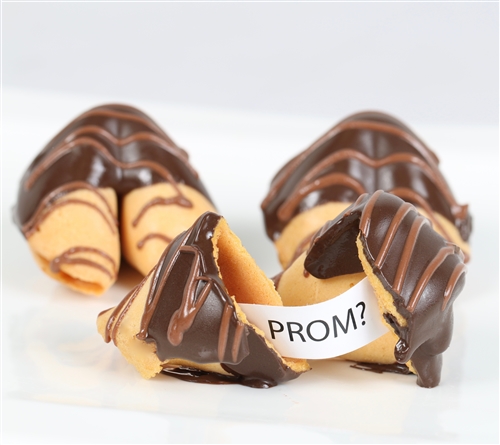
(324, 330)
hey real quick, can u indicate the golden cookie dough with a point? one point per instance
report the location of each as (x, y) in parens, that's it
(149, 222)
(76, 240)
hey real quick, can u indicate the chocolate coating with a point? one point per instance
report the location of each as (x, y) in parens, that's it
(364, 153)
(189, 315)
(113, 146)
(422, 271)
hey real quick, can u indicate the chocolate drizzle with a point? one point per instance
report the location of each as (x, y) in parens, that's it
(423, 272)
(67, 257)
(141, 242)
(363, 153)
(176, 200)
(49, 204)
(119, 313)
(113, 146)
(189, 315)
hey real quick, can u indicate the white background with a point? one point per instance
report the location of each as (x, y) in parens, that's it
(432, 63)
(243, 87)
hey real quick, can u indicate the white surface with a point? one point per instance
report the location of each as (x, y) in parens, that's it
(429, 62)
(62, 384)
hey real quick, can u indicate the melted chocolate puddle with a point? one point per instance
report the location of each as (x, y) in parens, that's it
(213, 378)
(396, 368)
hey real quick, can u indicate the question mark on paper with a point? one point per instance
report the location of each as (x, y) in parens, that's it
(362, 311)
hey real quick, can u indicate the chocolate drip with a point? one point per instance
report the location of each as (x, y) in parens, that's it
(422, 271)
(364, 153)
(108, 146)
(189, 315)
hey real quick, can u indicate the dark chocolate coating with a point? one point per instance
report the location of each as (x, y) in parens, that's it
(189, 315)
(113, 146)
(422, 271)
(366, 152)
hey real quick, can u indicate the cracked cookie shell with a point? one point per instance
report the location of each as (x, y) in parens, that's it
(184, 318)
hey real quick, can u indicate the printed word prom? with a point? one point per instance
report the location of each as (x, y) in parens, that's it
(353, 321)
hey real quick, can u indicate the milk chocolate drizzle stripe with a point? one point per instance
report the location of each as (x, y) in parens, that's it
(238, 335)
(123, 115)
(311, 182)
(287, 171)
(286, 209)
(157, 285)
(141, 242)
(391, 233)
(224, 331)
(227, 314)
(162, 141)
(364, 223)
(429, 271)
(402, 192)
(410, 195)
(362, 197)
(409, 246)
(459, 270)
(58, 152)
(348, 153)
(391, 129)
(121, 310)
(65, 258)
(44, 208)
(139, 136)
(183, 318)
(417, 224)
(179, 200)
(70, 201)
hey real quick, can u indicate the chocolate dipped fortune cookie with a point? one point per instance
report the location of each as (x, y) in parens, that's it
(365, 152)
(184, 318)
(416, 275)
(111, 163)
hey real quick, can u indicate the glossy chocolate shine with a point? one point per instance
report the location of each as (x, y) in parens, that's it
(189, 315)
(113, 146)
(422, 271)
(363, 153)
